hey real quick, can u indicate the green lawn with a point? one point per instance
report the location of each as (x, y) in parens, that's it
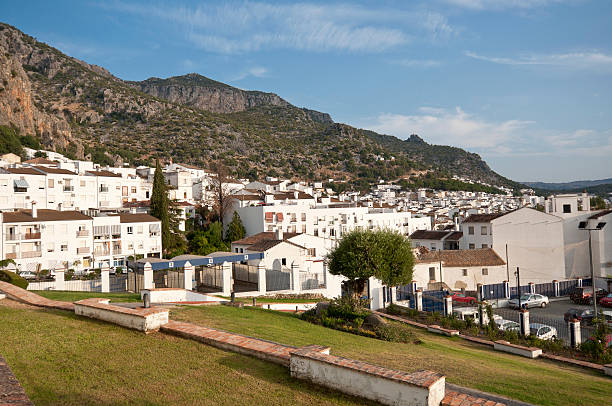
(64, 359)
(74, 296)
(263, 299)
(535, 381)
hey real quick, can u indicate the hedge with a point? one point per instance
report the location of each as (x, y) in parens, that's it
(13, 278)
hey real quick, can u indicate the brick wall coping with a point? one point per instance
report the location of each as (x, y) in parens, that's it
(402, 319)
(452, 398)
(422, 378)
(11, 392)
(437, 329)
(163, 289)
(103, 304)
(520, 347)
(27, 297)
(575, 362)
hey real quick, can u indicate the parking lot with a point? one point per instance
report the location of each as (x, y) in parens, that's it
(551, 315)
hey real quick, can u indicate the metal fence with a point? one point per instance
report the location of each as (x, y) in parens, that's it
(277, 280)
(546, 289)
(309, 281)
(244, 273)
(494, 291)
(566, 287)
(118, 283)
(209, 278)
(167, 278)
(135, 281)
(514, 292)
(433, 301)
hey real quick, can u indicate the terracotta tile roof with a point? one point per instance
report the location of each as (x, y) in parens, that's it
(108, 174)
(25, 216)
(264, 236)
(483, 218)
(40, 161)
(291, 195)
(463, 258)
(140, 203)
(136, 218)
(55, 170)
(600, 214)
(433, 235)
(24, 171)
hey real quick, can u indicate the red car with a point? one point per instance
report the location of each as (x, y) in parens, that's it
(606, 301)
(460, 297)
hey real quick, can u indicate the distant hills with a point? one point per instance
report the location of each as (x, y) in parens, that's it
(84, 112)
(600, 187)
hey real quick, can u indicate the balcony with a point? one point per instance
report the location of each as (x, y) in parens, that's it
(11, 255)
(103, 189)
(82, 233)
(101, 253)
(32, 236)
(68, 188)
(31, 254)
(82, 250)
(12, 237)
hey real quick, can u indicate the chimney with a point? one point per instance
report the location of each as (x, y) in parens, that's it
(457, 223)
(296, 194)
(34, 210)
(279, 234)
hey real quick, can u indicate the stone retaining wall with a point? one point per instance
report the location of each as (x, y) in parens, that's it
(11, 392)
(139, 319)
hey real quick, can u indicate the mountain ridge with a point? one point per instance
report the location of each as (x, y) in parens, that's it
(85, 112)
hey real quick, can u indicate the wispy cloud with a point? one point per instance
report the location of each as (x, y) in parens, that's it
(255, 71)
(418, 63)
(588, 60)
(505, 4)
(493, 138)
(253, 26)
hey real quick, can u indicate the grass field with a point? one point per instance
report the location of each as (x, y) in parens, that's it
(535, 381)
(263, 299)
(74, 296)
(63, 359)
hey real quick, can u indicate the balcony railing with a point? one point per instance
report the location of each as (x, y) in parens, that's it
(103, 189)
(82, 233)
(31, 254)
(11, 255)
(12, 237)
(32, 236)
(101, 253)
(82, 250)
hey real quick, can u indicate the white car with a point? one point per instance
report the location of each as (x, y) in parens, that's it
(542, 331)
(27, 275)
(507, 325)
(529, 300)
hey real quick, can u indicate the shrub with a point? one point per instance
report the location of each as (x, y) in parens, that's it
(13, 279)
(395, 332)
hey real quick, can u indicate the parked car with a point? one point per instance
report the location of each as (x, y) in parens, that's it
(607, 317)
(27, 275)
(507, 325)
(606, 301)
(529, 300)
(542, 331)
(584, 315)
(462, 298)
(584, 295)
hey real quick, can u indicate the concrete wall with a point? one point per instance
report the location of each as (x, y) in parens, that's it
(138, 319)
(453, 276)
(368, 381)
(535, 244)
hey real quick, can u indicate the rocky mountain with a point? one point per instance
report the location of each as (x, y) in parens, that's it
(84, 111)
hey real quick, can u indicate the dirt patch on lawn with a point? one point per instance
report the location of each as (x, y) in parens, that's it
(16, 305)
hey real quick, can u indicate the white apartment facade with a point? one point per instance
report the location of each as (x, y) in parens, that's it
(52, 239)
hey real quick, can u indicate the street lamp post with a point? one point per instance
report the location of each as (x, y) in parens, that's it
(584, 225)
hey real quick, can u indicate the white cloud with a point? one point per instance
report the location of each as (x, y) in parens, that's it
(519, 138)
(253, 26)
(505, 4)
(255, 71)
(588, 60)
(418, 63)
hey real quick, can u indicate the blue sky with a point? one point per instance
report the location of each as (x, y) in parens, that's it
(525, 83)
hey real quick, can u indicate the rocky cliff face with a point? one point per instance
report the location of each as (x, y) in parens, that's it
(200, 92)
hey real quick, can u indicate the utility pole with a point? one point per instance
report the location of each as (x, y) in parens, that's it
(594, 297)
(518, 285)
(507, 265)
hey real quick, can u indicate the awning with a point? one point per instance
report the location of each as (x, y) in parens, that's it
(269, 216)
(21, 183)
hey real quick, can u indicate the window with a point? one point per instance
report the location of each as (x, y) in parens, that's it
(483, 230)
(485, 271)
(64, 247)
(284, 261)
(50, 247)
(432, 273)
(312, 252)
(50, 183)
(433, 246)
(83, 183)
(472, 246)
(471, 230)
(567, 208)
(484, 246)
(139, 229)
(464, 271)
(147, 194)
(133, 189)
(130, 230)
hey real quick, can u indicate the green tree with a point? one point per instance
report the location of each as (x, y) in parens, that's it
(598, 203)
(160, 205)
(207, 241)
(9, 141)
(383, 254)
(235, 229)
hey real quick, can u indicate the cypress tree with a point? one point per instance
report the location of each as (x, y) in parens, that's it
(160, 205)
(235, 229)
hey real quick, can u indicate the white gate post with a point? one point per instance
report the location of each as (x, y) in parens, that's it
(188, 270)
(59, 280)
(295, 277)
(105, 275)
(226, 268)
(261, 278)
(148, 276)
